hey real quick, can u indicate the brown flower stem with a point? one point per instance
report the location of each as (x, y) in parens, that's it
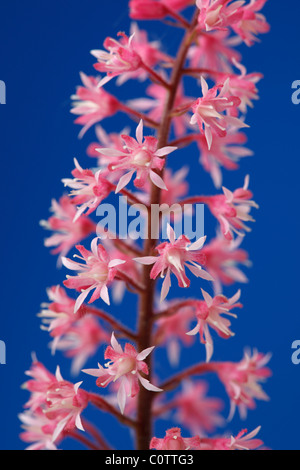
(173, 310)
(187, 373)
(95, 433)
(103, 405)
(132, 112)
(83, 440)
(146, 310)
(117, 326)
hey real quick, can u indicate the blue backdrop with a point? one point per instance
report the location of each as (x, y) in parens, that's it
(44, 45)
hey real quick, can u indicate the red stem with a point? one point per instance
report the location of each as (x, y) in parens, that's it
(146, 312)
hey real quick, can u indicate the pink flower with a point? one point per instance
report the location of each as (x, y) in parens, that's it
(214, 52)
(242, 441)
(251, 23)
(61, 401)
(232, 210)
(68, 232)
(141, 157)
(195, 410)
(174, 441)
(219, 14)
(92, 103)
(38, 430)
(125, 366)
(121, 58)
(82, 340)
(222, 257)
(89, 189)
(156, 105)
(224, 151)
(96, 273)
(58, 316)
(147, 10)
(242, 381)
(209, 111)
(171, 330)
(209, 315)
(173, 258)
(243, 86)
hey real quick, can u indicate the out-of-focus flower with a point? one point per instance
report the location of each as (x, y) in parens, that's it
(232, 210)
(92, 103)
(141, 157)
(96, 273)
(125, 366)
(67, 231)
(212, 111)
(174, 257)
(155, 106)
(61, 401)
(172, 330)
(82, 340)
(38, 430)
(219, 14)
(222, 259)
(174, 441)
(242, 381)
(214, 52)
(224, 151)
(209, 315)
(252, 22)
(242, 441)
(195, 410)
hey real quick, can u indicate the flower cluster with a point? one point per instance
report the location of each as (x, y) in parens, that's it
(81, 321)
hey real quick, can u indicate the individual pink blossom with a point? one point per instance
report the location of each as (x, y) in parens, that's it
(130, 58)
(58, 316)
(174, 441)
(95, 273)
(222, 258)
(82, 340)
(242, 381)
(209, 315)
(147, 9)
(155, 9)
(212, 111)
(89, 189)
(121, 57)
(224, 152)
(68, 232)
(38, 430)
(195, 410)
(155, 106)
(141, 156)
(171, 331)
(92, 103)
(219, 14)
(252, 22)
(243, 86)
(214, 52)
(61, 401)
(125, 366)
(242, 441)
(174, 257)
(232, 209)
(177, 4)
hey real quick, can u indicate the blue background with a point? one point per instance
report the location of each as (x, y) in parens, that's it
(44, 45)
